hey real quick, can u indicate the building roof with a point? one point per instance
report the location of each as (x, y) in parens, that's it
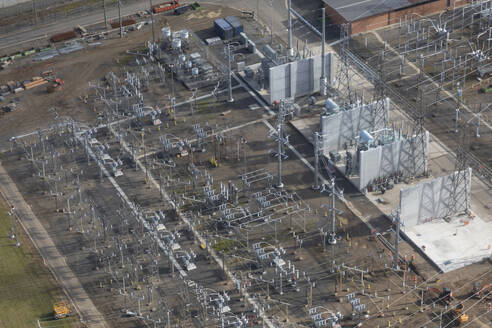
(357, 9)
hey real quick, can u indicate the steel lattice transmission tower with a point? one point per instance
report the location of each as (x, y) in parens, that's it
(378, 112)
(459, 200)
(419, 143)
(343, 67)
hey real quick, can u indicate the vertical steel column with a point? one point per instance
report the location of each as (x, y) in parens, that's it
(34, 9)
(119, 14)
(105, 15)
(490, 29)
(396, 253)
(322, 83)
(152, 18)
(279, 153)
(456, 119)
(477, 132)
(280, 139)
(229, 73)
(332, 239)
(290, 51)
(316, 161)
(271, 22)
(257, 16)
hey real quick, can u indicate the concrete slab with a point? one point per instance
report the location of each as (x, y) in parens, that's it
(453, 245)
(447, 249)
(306, 127)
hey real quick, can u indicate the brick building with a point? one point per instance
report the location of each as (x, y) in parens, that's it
(366, 15)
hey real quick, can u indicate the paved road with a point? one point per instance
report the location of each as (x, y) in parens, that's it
(278, 14)
(62, 272)
(31, 33)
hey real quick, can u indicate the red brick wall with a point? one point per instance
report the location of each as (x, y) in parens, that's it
(424, 10)
(369, 23)
(393, 17)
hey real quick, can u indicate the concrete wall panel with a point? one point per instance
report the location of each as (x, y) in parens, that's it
(430, 200)
(299, 78)
(373, 163)
(338, 129)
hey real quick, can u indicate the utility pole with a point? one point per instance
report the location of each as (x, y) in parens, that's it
(335, 192)
(152, 18)
(35, 12)
(460, 93)
(322, 82)
(396, 253)
(310, 295)
(271, 21)
(257, 10)
(119, 14)
(316, 160)
(280, 154)
(229, 60)
(171, 67)
(281, 140)
(290, 51)
(105, 15)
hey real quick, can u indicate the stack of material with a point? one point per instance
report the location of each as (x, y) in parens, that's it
(36, 82)
(124, 22)
(45, 55)
(75, 46)
(63, 36)
(166, 6)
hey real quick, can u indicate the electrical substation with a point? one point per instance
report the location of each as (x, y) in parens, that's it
(211, 174)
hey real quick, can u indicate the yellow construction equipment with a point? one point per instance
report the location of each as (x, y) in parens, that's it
(461, 317)
(61, 310)
(213, 161)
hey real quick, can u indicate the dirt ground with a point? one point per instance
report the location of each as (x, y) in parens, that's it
(80, 68)
(92, 239)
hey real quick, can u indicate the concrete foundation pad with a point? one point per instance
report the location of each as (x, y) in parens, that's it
(449, 245)
(453, 245)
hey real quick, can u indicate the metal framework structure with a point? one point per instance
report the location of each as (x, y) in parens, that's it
(343, 67)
